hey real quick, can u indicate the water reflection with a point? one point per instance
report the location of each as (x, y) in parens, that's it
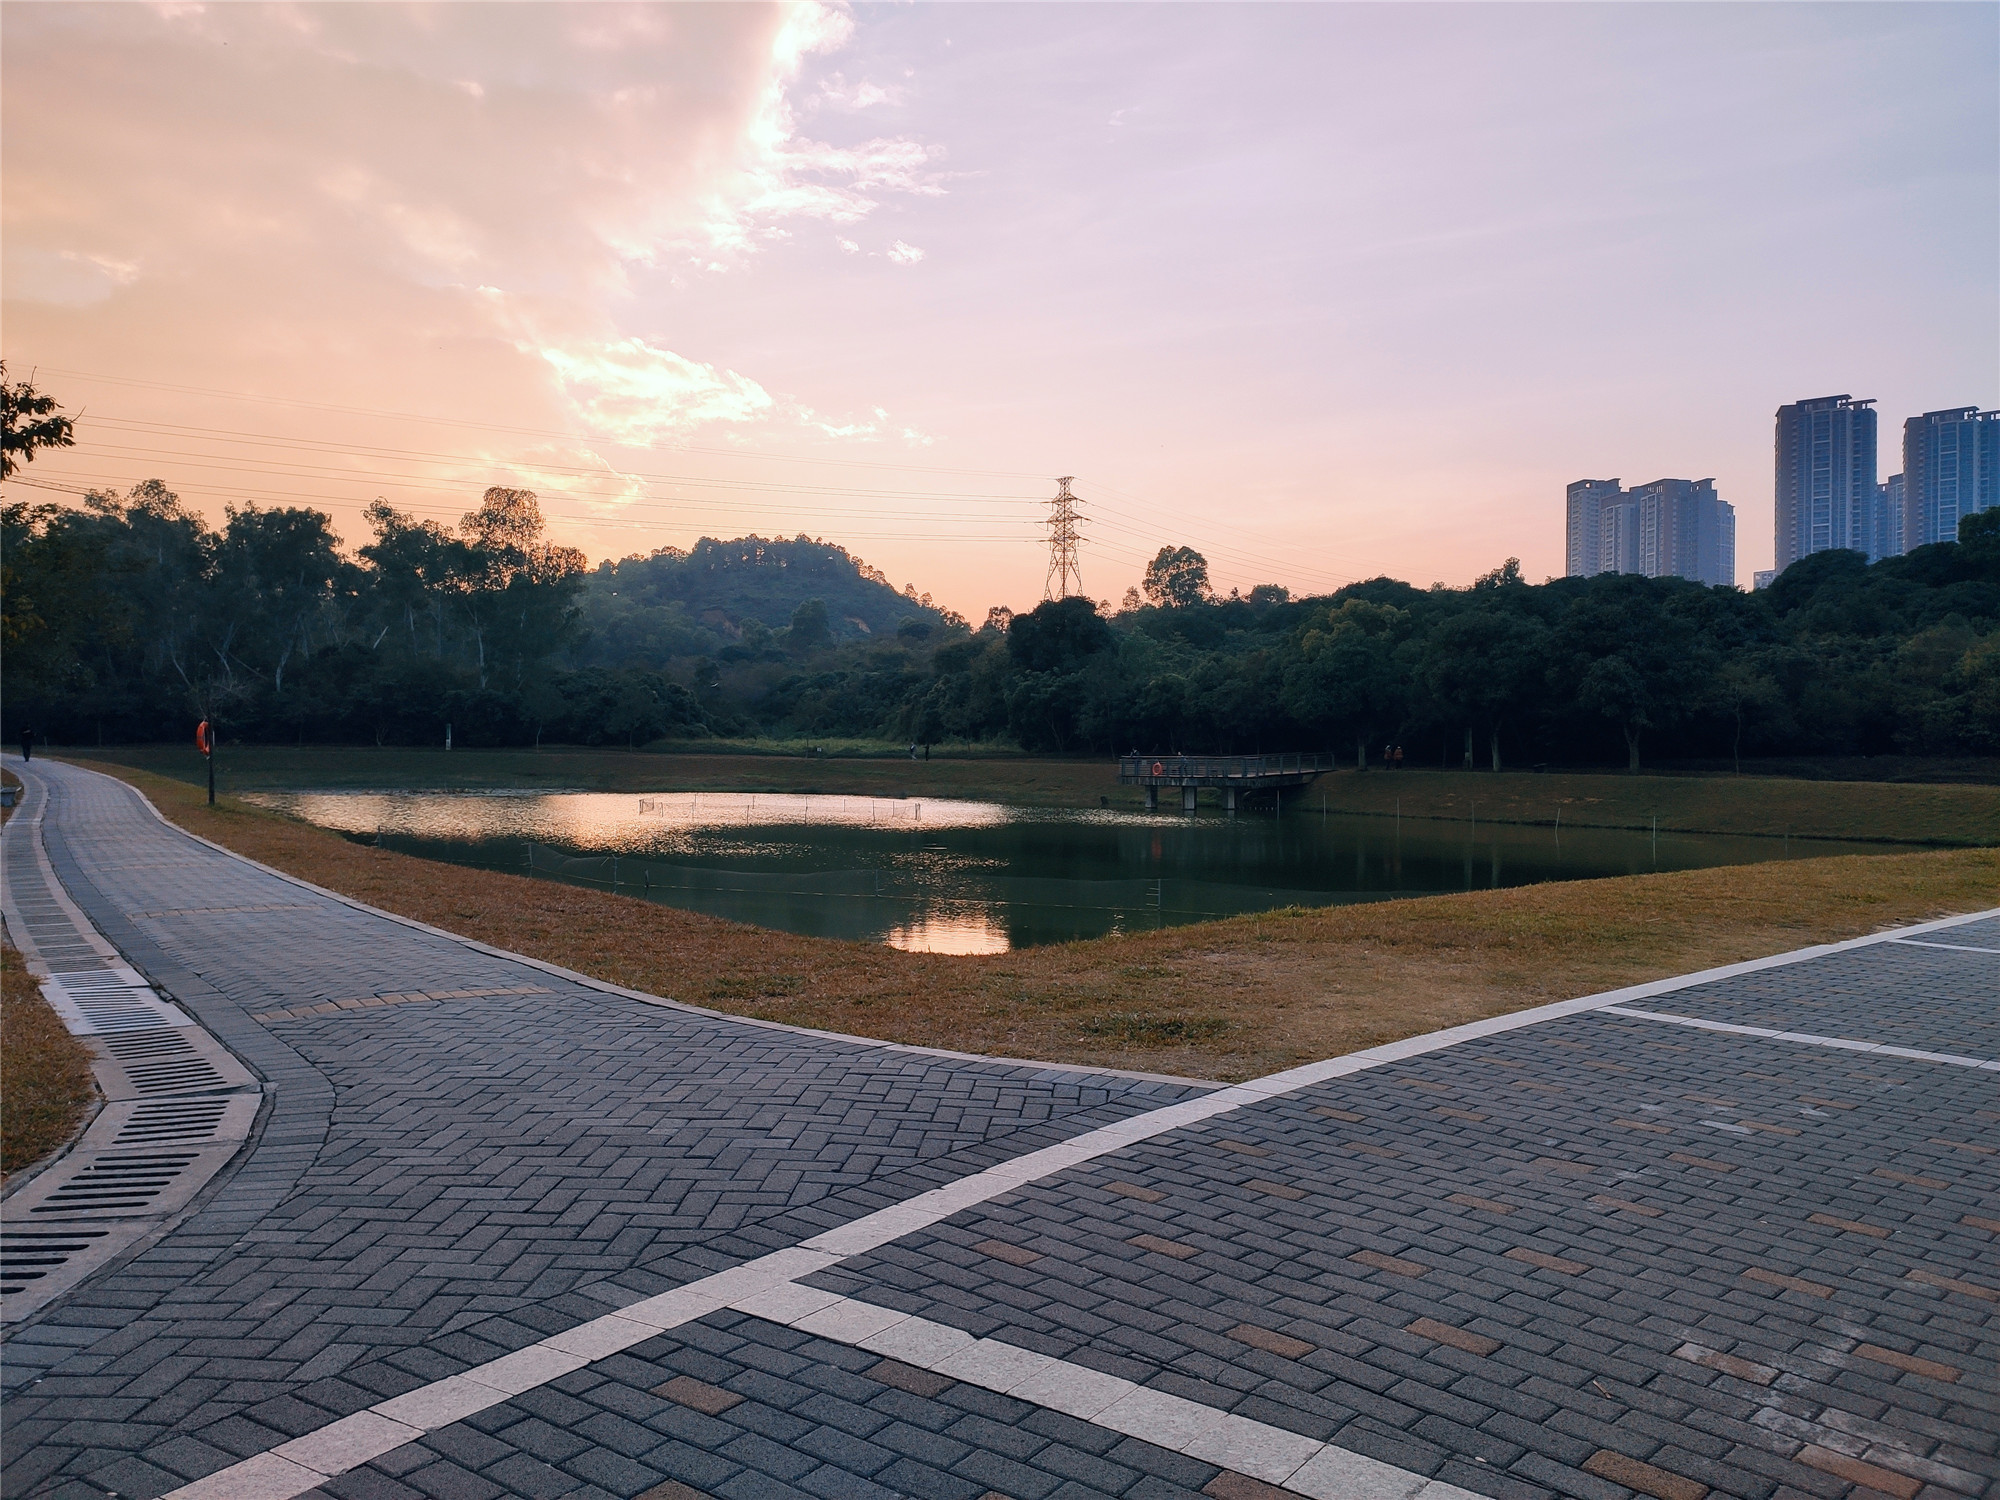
(947, 876)
(970, 931)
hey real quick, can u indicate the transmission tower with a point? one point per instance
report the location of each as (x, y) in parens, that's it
(1065, 577)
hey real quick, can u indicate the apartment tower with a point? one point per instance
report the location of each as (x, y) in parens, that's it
(1951, 469)
(1825, 450)
(1670, 528)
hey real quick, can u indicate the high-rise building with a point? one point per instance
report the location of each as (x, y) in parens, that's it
(1885, 520)
(1951, 469)
(1669, 528)
(1684, 531)
(1825, 453)
(1583, 525)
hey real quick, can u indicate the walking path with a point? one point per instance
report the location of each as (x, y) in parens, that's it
(499, 1230)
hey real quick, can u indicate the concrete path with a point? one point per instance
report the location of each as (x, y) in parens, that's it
(1737, 1234)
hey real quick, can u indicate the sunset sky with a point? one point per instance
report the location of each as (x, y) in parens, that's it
(1325, 291)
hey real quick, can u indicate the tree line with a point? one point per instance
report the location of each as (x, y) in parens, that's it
(127, 618)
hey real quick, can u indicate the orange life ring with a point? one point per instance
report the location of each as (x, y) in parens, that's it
(202, 742)
(1158, 769)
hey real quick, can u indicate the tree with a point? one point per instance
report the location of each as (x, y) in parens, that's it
(1487, 665)
(29, 422)
(1177, 578)
(809, 630)
(1057, 634)
(1348, 679)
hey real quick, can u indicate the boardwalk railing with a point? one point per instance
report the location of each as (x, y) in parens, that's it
(1247, 770)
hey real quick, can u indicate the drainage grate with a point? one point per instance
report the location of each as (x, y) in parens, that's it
(26, 1258)
(178, 1122)
(107, 1002)
(115, 1186)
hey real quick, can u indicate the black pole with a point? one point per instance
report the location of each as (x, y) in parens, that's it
(211, 768)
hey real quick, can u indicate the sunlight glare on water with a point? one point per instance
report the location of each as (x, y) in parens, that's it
(950, 932)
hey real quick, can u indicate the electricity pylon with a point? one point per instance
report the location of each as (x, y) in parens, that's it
(1065, 577)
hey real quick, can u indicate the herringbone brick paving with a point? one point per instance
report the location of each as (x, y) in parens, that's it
(1594, 1258)
(469, 1164)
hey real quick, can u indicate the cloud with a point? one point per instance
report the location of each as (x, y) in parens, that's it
(632, 392)
(904, 255)
(466, 198)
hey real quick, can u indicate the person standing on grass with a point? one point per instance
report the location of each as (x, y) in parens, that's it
(27, 744)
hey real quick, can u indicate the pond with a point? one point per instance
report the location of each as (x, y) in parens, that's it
(980, 877)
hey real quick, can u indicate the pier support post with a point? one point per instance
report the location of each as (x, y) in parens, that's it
(1152, 799)
(1229, 798)
(1188, 795)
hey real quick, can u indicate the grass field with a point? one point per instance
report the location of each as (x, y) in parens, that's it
(45, 1084)
(1229, 999)
(1953, 815)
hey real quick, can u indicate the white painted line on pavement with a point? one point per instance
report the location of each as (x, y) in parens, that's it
(1302, 1464)
(1804, 1038)
(1952, 947)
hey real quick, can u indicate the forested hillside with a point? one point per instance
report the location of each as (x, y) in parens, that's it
(129, 619)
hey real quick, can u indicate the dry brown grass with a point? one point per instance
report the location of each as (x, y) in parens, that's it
(45, 1084)
(1229, 999)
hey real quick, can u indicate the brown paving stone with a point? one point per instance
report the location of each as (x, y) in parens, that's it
(1133, 1190)
(1789, 1283)
(1953, 1284)
(1458, 1338)
(1229, 1485)
(1340, 1114)
(1915, 1364)
(1371, 1150)
(1701, 1161)
(1459, 1114)
(1824, 1103)
(1273, 1189)
(1922, 1182)
(1159, 1246)
(1729, 1364)
(925, 1383)
(1709, 1099)
(1991, 1226)
(1242, 1148)
(1854, 1471)
(673, 1489)
(1642, 1477)
(1390, 1263)
(1852, 1226)
(712, 1400)
(1964, 1146)
(1428, 1086)
(1271, 1340)
(1468, 1200)
(1546, 1262)
(1645, 1125)
(1014, 1255)
(1767, 1129)
(1621, 1205)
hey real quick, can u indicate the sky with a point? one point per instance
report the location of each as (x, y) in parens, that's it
(1325, 291)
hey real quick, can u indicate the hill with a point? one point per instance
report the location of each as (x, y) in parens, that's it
(700, 602)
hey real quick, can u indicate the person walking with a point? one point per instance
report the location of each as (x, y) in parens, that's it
(27, 744)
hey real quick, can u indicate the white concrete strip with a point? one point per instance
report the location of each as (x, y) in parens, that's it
(1953, 947)
(1272, 1454)
(1806, 1038)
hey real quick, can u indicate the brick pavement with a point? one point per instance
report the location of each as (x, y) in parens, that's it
(1595, 1256)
